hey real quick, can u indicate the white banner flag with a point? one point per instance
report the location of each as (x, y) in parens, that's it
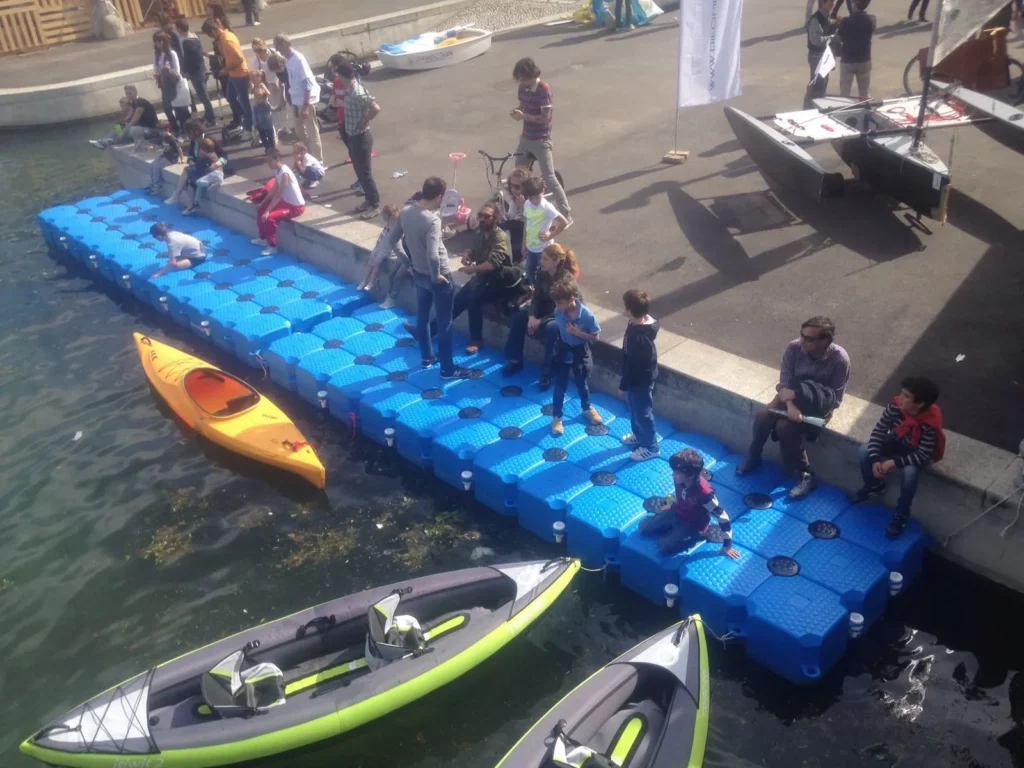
(826, 64)
(709, 51)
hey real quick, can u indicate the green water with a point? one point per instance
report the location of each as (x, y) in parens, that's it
(130, 545)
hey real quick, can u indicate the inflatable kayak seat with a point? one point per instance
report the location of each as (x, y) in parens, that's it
(228, 689)
(391, 637)
(623, 741)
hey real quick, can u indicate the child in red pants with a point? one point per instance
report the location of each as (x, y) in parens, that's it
(285, 201)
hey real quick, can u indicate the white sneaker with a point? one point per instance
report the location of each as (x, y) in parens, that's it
(313, 185)
(630, 439)
(270, 250)
(388, 303)
(258, 241)
(172, 200)
(642, 454)
(98, 143)
(255, 23)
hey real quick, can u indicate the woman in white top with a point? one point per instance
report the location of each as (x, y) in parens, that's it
(284, 202)
(282, 115)
(173, 87)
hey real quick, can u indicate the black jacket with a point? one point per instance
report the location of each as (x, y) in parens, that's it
(814, 399)
(541, 306)
(194, 62)
(639, 355)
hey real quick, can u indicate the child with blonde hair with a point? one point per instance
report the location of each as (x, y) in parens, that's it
(381, 251)
(262, 111)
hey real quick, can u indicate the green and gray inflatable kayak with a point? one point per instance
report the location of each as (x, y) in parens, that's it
(647, 709)
(307, 677)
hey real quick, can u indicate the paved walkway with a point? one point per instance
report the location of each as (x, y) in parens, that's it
(726, 261)
(97, 57)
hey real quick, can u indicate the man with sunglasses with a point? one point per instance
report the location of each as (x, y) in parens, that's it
(812, 381)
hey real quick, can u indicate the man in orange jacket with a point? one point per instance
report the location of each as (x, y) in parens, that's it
(238, 78)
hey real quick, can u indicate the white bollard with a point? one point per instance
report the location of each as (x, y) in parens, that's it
(389, 436)
(321, 397)
(467, 479)
(558, 529)
(895, 583)
(164, 305)
(205, 326)
(856, 624)
(671, 593)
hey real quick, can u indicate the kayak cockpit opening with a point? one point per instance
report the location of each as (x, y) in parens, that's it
(218, 393)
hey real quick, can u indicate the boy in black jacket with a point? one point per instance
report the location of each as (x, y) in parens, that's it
(639, 370)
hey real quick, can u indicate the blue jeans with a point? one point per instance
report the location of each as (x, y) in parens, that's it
(576, 359)
(908, 477)
(640, 400)
(198, 81)
(673, 534)
(238, 98)
(532, 264)
(517, 338)
(441, 296)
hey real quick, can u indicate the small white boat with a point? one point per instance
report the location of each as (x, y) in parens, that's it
(434, 50)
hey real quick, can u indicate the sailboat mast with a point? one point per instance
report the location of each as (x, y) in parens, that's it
(922, 111)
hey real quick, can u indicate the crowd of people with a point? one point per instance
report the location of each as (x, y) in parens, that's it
(514, 262)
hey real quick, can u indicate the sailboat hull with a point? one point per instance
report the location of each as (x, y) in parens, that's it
(890, 167)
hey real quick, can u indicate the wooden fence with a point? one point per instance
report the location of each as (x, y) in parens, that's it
(29, 24)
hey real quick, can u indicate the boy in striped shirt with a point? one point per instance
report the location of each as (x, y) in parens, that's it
(908, 437)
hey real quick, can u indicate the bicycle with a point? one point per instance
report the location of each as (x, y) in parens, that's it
(494, 168)
(975, 51)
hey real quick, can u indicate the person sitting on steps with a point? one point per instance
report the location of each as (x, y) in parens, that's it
(908, 437)
(812, 381)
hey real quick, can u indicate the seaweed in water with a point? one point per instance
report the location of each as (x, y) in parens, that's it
(438, 534)
(169, 543)
(316, 548)
(5, 584)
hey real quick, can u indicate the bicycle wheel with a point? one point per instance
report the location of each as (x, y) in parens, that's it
(913, 77)
(1015, 73)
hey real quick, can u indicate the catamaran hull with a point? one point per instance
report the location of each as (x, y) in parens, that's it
(922, 187)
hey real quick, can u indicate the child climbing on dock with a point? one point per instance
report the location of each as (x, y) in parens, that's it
(680, 524)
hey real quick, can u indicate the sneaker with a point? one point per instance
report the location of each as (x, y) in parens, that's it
(643, 454)
(370, 213)
(803, 488)
(270, 250)
(312, 184)
(458, 372)
(98, 143)
(172, 200)
(258, 241)
(630, 439)
(355, 185)
(473, 347)
(255, 23)
(192, 209)
(896, 527)
(570, 220)
(388, 303)
(234, 132)
(592, 414)
(867, 493)
(511, 368)
(246, 135)
(544, 383)
(556, 426)
(747, 466)
(428, 362)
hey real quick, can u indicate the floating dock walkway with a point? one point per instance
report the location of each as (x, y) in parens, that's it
(811, 575)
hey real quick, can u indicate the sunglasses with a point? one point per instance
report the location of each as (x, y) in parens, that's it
(485, 216)
(805, 337)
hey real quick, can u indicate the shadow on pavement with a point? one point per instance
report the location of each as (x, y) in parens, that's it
(773, 38)
(994, 362)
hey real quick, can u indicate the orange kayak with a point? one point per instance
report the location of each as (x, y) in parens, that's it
(227, 411)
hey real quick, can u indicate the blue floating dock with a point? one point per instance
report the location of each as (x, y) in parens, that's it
(804, 566)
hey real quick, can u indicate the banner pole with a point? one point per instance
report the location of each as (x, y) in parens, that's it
(676, 156)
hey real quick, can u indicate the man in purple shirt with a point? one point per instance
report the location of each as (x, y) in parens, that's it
(812, 381)
(534, 112)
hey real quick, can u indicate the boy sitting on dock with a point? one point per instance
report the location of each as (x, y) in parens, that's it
(680, 524)
(183, 251)
(577, 327)
(908, 437)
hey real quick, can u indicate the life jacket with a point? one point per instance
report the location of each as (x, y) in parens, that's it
(910, 428)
